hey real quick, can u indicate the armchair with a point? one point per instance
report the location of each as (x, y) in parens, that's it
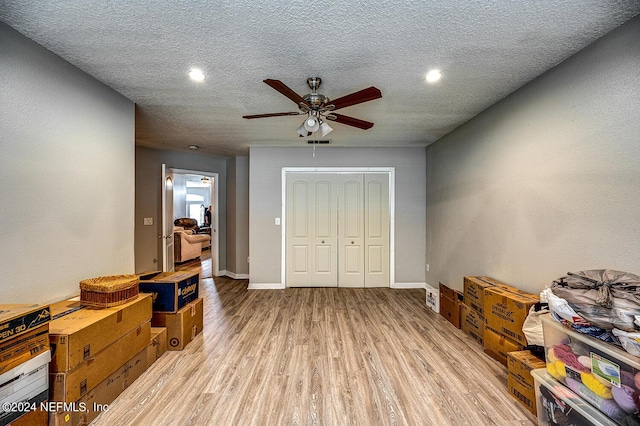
(186, 245)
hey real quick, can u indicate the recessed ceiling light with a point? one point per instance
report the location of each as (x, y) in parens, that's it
(196, 74)
(193, 147)
(433, 76)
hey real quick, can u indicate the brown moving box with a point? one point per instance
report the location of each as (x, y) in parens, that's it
(497, 346)
(520, 381)
(98, 399)
(157, 345)
(474, 291)
(69, 386)
(183, 326)
(36, 417)
(77, 332)
(450, 304)
(506, 311)
(18, 319)
(472, 323)
(23, 347)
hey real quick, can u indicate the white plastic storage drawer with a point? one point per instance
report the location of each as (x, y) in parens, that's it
(558, 405)
(601, 373)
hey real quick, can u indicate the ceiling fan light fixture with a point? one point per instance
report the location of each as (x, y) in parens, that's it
(325, 129)
(301, 130)
(311, 124)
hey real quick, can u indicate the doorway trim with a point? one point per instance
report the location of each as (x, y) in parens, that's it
(215, 242)
(344, 170)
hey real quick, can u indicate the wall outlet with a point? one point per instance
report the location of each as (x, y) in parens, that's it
(427, 267)
(148, 221)
(277, 221)
(247, 259)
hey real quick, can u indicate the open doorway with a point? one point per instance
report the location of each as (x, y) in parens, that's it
(195, 195)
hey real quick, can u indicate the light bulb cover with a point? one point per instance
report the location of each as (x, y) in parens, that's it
(311, 124)
(325, 129)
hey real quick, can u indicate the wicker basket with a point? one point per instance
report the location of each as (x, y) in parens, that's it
(103, 292)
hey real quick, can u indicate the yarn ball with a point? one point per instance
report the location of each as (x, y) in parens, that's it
(557, 370)
(636, 398)
(637, 380)
(607, 406)
(627, 378)
(595, 386)
(624, 397)
(551, 356)
(585, 361)
(565, 354)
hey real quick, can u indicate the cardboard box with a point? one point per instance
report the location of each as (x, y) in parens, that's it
(69, 386)
(505, 312)
(171, 290)
(77, 332)
(450, 304)
(98, 399)
(157, 345)
(23, 347)
(18, 418)
(472, 323)
(38, 417)
(520, 382)
(433, 299)
(497, 346)
(18, 319)
(183, 326)
(474, 291)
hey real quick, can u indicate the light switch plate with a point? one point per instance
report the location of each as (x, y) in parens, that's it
(148, 221)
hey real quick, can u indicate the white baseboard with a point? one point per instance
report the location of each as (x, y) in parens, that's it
(266, 286)
(410, 285)
(235, 276)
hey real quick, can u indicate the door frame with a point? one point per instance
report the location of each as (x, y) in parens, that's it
(215, 232)
(391, 171)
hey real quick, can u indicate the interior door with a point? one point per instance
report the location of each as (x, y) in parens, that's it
(377, 230)
(351, 266)
(311, 233)
(168, 263)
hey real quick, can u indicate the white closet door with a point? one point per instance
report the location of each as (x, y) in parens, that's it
(311, 251)
(376, 219)
(351, 272)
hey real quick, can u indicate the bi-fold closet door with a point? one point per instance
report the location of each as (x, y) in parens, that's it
(337, 230)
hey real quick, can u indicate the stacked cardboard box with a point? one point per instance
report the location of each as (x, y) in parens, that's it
(450, 301)
(95, 353)
(176, 306)
(24, 361)
(501, 309)
(520, 381)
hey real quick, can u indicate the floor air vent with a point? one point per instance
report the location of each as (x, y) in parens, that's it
(318, 141)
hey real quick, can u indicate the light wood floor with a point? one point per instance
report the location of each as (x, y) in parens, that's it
(319, 357)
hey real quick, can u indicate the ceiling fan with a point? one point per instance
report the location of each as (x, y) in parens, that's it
(318, 107)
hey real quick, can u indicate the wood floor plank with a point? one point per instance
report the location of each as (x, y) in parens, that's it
(319, 356)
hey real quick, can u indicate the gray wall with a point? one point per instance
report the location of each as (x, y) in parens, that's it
(546, 181)
(238, 217)
(67, 173)
(265, 203)
(148, 203)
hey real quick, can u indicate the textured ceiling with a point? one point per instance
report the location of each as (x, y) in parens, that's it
(144, 49)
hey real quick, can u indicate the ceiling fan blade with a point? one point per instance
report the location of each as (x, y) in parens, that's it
(285, 90)
(359, 97)
(350, 121)
(275, 114)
